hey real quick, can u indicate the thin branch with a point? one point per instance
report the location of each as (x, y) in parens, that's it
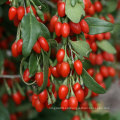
(10, 76)
(50, 3)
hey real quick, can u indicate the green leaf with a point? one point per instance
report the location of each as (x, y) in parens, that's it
(4, 115)
(1, 59)
(74, 13)
(81, 47)
(2, 1)
(91, 83)
(97, 26)
(31, 29)
(32, 64)
(86, 64)
(108, 82)
(106, 46)
(45, 70)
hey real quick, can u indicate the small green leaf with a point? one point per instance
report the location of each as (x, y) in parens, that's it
(81, 47)
(33, 64)
(45, 71)
(106, 46)
(74, 13)
(2, 1)
(97, 26)
(91, 83)
(108, 82)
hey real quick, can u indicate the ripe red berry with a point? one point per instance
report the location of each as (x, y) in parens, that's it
(60, 55)
(37, 47)
(107, 36)
(111, 18)
(58, 27)
(26, 74)
(65, 30)
(39, 106)
(86, 91)
(28, 10)
(64, 69)
(78, 67)
(75, 27)
(19, 45)
(98, 6)
(91, 38)
(62, 92)
(79, 95)
(43, 96)
(111, 71)
(39, 78)
(13, 117)
(90, 71)
(76, 87)
(54, 71)
(93, 46)
(14, 50)
(34, 98)
(53, 21)
(98, 78)
(20, 12)
(12, 13)
(87, 4)
(44, 44)
(61, 9)
(104, 71)
(91, 10)
(99, 36)
(94, 104)
(16, 98)
(99, 59)
(92, 58)
(73, 103)
(84, 106)
(49, 72)
(103, 85)
(64, 104)
(84, 26)
(76, 117)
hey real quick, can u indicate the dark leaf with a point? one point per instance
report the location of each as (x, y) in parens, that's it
(2, 1)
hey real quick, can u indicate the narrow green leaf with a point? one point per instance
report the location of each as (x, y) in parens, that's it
(97, 26)
(86, 64)
(74, 13)
(45, 71)
(1, 59)
(81, 47)
(106, 46)
(2, 1)
(91, 83)
(108, 82)
(32, 64)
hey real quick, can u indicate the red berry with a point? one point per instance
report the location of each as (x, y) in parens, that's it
(58, 27)
(76, 117)
(93, 46)
(94, 94)
(39, 78)
(73, 103)
(76, 87)
(111, 71)
(91, 10)
(90, 71)
(62, 92)
(43, 96)
(49, 72)
(103, 85)
(61, 9)
(75, 27)
(64, 69)
(19, 45)
(107, 36)
(12, 13)
(99, 36)
(91, 38)
(94, 104)
(28, 10)
(79, 95)
(53, 22)
(20, 12)
(14, 50)
(84, 106)
(92, 58)
(84, 26)
(34, 98)
(86, 91)
(104, 71)
(13, 117)
(39, 106)
(54, 71)
(36, 47)
(16, 98)
(64, 104)
(87, 4)
(78, 67)
(60, 55)
(111, 18)
(98, 6)
(44, 44)
(26, 74)
(65, 30)
(99, 78)
(99, 59)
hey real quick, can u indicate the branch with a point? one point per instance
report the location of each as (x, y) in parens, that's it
(10, 76)
(50, 3)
